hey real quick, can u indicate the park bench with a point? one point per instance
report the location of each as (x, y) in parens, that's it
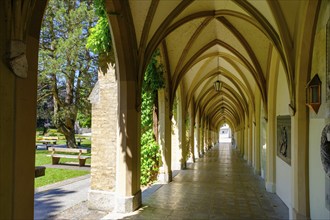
(76, 154)
(48, 141)
(79, 140)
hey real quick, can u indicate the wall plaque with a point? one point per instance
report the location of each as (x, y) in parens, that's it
(325, 150)
(284, 138)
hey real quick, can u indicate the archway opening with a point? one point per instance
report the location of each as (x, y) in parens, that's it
(225, 134)
(67, 73)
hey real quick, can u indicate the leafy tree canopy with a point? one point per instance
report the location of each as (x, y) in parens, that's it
(99, 40)
(67, 70)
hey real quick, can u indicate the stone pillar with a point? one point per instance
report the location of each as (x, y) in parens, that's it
(250, 137)
(175, 141)
(165, 173)
(239, 141)
(300, 121)
(299, 144)
(202, 135)
(209, 134)
(182, 134)
(257, 161)
(198, 136)
(128, 164)
(246, 139)
(104, 101)
(270, 180)
(271, 151)
(205, 134)
(192, 131)
(18, 100)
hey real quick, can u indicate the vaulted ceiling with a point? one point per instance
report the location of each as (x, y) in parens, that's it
(208, 40)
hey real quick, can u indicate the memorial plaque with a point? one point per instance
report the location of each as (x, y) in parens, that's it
(284, 138)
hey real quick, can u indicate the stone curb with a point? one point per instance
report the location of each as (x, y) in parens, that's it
(59, 184)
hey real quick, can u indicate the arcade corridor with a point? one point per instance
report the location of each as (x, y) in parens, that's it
(262, 67)
(218, 186)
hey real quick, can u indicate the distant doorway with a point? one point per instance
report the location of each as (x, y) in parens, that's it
(225, 134)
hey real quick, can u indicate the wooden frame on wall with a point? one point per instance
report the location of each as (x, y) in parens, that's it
(284, 138)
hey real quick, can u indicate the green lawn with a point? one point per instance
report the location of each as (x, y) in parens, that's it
(42, 159)
(53, 175)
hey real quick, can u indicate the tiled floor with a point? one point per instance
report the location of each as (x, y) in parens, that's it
(218, 186)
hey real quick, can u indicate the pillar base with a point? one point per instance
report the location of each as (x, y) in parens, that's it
(191, 159)
(176, 165)
(164, 177)
(126, 204)
(101, 200)
(183, 165)
(109, 201)
(256, 172)
(270, 187)
(262, 174)
(293, 214)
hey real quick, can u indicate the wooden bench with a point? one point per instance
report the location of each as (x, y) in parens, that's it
(56, 154)
(48, 141)
(79, 140)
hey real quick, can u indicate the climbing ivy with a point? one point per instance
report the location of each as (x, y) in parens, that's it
(100, 43)
(150, 156)
(99, 40)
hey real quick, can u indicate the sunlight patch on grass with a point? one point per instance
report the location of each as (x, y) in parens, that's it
(56, 175)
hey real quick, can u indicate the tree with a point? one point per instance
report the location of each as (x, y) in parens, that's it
(67, 69)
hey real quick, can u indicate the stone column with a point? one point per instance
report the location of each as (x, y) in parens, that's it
(175, 141)
(128, 155)
(165, 173)
(209, 134)
(243, 141)
(299, 137)
(240, 141)
(18, 100)
(192, 131)
(202, 135)
(198, 136)
(104, 101)
(128, 163)
(271, 151)
(205, 134)
(250, 137)
(246, 139)
(257, 161)
(270, 180)
(182, 134)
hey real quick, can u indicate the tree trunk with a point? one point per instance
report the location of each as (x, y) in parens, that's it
(70, 138)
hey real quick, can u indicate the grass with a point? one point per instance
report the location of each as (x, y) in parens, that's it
(53, 175)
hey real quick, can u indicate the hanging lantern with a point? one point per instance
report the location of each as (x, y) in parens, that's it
(313, 93)
(217, 85)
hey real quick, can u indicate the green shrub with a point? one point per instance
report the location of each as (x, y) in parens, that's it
(150, 158)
